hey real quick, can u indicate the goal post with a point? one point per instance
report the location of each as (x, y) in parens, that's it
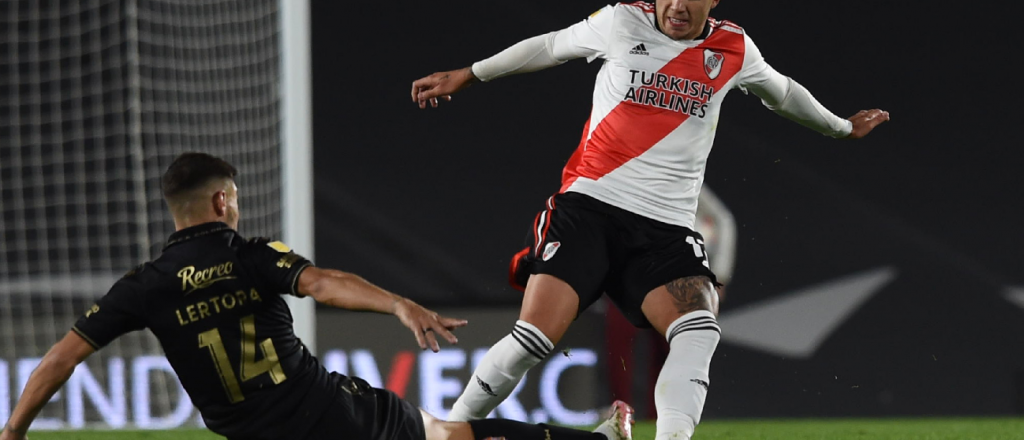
(97, 98)
(297, 150)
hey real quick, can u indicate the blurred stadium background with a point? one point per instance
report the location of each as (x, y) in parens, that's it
(873, 279)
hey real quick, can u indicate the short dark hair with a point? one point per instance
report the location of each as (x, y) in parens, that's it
(192, 170)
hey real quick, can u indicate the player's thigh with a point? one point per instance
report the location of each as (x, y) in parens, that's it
(361, 412)
(667, 275)
(565, 263)
(550, 304)
(397, 418)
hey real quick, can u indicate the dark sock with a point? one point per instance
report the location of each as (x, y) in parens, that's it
(513, 430)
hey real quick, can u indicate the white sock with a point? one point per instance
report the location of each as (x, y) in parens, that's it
(500, 371)
(683, 383)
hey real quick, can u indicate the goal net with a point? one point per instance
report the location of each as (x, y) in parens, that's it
(96, 98)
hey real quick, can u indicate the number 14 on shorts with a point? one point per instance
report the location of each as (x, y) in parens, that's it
(698, 250)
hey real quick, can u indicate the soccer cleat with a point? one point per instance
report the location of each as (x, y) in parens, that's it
(619, 425)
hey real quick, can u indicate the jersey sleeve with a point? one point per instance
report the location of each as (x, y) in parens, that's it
(588, 39)
(786, 97)
(755, 70)
(120, 311)
(277, 264)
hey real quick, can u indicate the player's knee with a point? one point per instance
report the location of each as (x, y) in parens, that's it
(691, 294)
(532, 340)
(666, 304)
(713, 337)
(713, 301)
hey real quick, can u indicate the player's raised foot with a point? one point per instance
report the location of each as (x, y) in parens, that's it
(619, 425)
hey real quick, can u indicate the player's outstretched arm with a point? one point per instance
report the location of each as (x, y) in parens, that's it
(351, 292)
(529, 55)
(55, 369)
(788, 98)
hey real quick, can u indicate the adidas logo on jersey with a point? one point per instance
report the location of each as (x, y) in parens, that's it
(640, 49)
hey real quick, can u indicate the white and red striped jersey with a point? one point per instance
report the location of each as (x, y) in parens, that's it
(655, 110)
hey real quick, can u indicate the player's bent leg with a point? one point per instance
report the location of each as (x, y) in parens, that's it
(549, 307)
(684, 312)
(617, 427)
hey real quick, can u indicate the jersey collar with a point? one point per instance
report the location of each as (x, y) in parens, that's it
(196, 232)
(703, 35)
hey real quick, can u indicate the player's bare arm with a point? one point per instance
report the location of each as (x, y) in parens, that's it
(55, 369)
(351, 292)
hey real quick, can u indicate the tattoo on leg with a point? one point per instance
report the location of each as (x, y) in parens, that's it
(691, 293)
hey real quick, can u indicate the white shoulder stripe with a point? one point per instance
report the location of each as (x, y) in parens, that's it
(731, 28)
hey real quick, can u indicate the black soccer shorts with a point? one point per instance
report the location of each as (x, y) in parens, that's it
(598, 248)
(362, 412)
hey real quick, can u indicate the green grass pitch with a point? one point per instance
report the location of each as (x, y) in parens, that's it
(844, 429)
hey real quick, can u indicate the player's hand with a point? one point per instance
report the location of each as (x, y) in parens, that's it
(425, 324)
(865, 121)
(441, 85)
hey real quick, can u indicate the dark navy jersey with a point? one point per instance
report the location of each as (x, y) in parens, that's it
(215, 302)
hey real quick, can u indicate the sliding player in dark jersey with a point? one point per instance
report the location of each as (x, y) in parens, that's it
(214, 301)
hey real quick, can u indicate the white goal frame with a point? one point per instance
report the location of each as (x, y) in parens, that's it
(297, 150)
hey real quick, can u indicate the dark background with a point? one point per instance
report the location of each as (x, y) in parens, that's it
(432, 203)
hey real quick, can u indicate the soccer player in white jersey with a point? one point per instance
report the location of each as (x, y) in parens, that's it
(622, 222)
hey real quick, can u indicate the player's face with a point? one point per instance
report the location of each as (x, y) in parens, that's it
(683, 19)
(231, 210)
